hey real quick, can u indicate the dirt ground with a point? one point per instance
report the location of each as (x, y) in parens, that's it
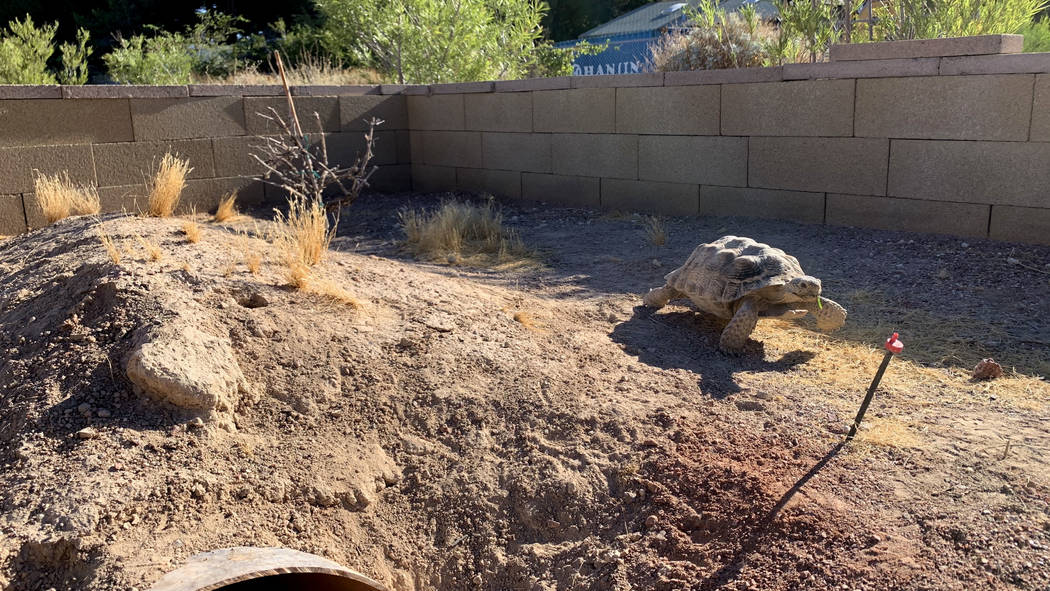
(431, 441)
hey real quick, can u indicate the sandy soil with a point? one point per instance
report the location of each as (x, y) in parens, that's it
(431, 441)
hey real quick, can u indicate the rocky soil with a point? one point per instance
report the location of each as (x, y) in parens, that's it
(151, 410)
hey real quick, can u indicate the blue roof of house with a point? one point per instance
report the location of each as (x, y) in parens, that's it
(657, 15)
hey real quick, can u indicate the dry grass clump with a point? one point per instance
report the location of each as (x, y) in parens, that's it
(303, 234)
(463, 233)
(654, 230)
(527, 320)
(309, 70)
(60, 197)
(153, 252)
(165, 188)
(227, 209)
(108, 244)
(192, 230)
(886, 432)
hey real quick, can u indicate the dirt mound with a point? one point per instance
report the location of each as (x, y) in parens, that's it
(432, 441)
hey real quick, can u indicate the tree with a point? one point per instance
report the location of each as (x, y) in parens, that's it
(425, 41)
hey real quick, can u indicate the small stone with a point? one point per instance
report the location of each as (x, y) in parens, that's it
(657, 263)
(84, 408)
(88, 433)
(965, 245)
(987, 369)
(651, 521)
(103, 413)
(838, 428)
(195, 423)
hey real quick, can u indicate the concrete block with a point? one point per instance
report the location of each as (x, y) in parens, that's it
(127, 163)
(461, 87)
(945, 107)
(404, 147)
(501, 183)
(1021, 63)
(531, 84)
(394, 178)
(912, 215)
(447, 148)
(335, 90)
(601, 155)
(417, 89)
(618, 80)
(980, 45)
(356, 111)
(345, 148)
(34, 214)
(678, 110)
(529, 152)
(12, 215)
(834, 165)
(726, 76)
(584, 110)
(30, 91)
(203, 195)
(1001, 173)
(508, 111)
(43, 122)
(114, 91)
(392, 88)
(233, 156)
(442, 112)
(163, 119)
(693, 160)
(1020, 224)
(433, 179)
(804, 108)
(864, 69)
(799, 206)
(236, 90)
(17, 165)
(256, 109)
(1040, 131)
(650, 197)
(570, 191)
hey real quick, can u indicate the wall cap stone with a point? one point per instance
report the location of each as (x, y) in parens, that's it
(618, 80)
(30, 91)
(953, 46)
(334, 89)
(1022, 63)
(554, 83)
(461, 87)
(728, 76)
(119, 91)
(890, 68)
(236, 89)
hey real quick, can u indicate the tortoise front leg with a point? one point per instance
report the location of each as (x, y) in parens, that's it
(734, 337)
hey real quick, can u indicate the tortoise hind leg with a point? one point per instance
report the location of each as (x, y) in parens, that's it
(658, 298)
(735, 335)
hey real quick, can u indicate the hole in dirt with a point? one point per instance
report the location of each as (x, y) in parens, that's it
(252, 299)
(298, 582)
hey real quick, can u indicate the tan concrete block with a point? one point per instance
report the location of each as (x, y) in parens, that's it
(203, 195)
(34, 214)
(461, 87)
(233, 156)
(1003, 173)
(863, 69)
(601, 155)
(404, 147)
(178, 118)
(58, 121)
(1041, 109)
(911, 215)
(803, 108)
(433, 179)
(17, 165)
(236, 90)
(335, 89)
(836, 165)
(32, 91)
(440, 112)
(345, 148)
(448, 148)
(979, 45)
(1020, 224)
(393, 178)
(584, 110)
(116, 91)
(356, 111)
(256, 109)
(945, 107)
(679, 110)
(650, 197)
(1021, 63)
(572, 191)
(618, 80)
(555, 83)
(727, 76)
(501, 183)
(506, 111)
(529, 152)
(415, 146)
(127, 163)
(12, 215)
(694, 160)
(762, 203)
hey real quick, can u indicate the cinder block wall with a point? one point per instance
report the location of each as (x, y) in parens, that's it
(111, 137)
(955, 145)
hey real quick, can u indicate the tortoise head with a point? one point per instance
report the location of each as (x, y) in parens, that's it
(802, 289)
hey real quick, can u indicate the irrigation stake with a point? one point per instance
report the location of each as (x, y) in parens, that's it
(893, 346)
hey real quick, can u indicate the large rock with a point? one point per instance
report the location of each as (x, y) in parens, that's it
(179, 364)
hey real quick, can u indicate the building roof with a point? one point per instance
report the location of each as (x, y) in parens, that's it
(656, 15)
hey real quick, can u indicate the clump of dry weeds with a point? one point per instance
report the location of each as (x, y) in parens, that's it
(153, 252)
(166, 185)
(303, 234)
(60, 197)
(655, 233)
(107, 242)
(192, 231)
(461, 232)
(227, 209)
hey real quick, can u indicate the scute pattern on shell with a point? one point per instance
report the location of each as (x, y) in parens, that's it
(730, 268)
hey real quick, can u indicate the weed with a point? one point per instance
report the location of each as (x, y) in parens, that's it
(654, 230)
(60, 197)
(254, 261)
(462, 232)
(303, 234)
(165, 188)
(108, 244)
(527, 320)
(153, 252)
(227, 209)
(192, 230)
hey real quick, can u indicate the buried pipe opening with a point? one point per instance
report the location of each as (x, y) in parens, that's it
(297, 582)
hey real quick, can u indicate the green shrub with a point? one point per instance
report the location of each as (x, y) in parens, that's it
(25, 51)
(1036, 35)
(931, 19)
(163, 59)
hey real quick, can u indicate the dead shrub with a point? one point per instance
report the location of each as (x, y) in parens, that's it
(726, 41)
(655, 233)
(302, 235)
(60, 197)
(227, 209)
(460, 232)
(166, 185)
(192, 230)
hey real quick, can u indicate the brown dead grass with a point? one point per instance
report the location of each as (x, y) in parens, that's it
(166, 185)
(308, 70)
(303, 234)
(655, 233)
(227, 209)
(192, 231)
(464, 233)
(107, 242)
(153, 252)
(60, 197)
(528, 320)
(888, 432)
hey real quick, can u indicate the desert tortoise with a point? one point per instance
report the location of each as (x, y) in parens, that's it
(743, 280)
